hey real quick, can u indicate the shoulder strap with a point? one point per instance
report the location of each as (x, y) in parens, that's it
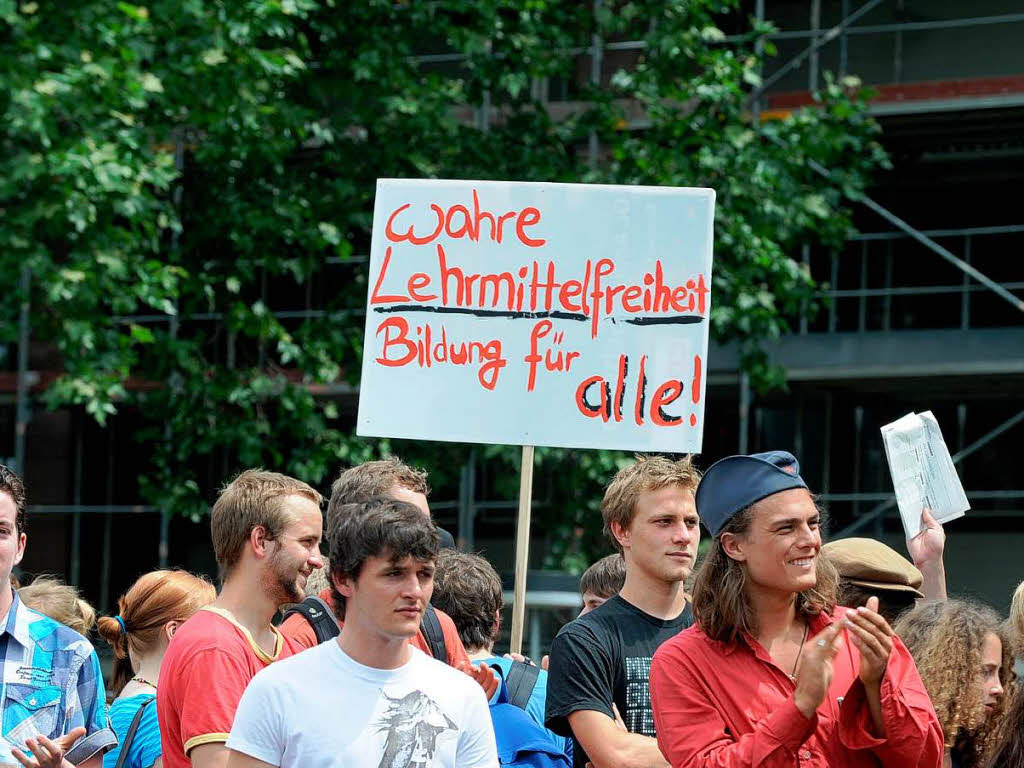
(319, 615)
(430, 628)
(521, 680)
(130, 736)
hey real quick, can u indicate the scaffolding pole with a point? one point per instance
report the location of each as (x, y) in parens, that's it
(21, 407)
(596, 61)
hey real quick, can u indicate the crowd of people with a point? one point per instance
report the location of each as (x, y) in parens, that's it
(774, 650)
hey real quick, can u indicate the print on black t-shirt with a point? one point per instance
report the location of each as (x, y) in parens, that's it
(602, 658)
(639, 717)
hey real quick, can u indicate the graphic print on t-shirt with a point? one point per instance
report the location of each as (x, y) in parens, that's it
(412, 724)
(639, 716)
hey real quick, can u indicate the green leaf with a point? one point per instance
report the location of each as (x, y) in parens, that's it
(136, 12)
(214, 56)
(151, 83)
(142, 334)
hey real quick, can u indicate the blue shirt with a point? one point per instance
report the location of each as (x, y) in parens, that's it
(535, 704)
(145, 747)
(51, 683)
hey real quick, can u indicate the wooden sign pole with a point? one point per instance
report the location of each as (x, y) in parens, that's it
(522, 549)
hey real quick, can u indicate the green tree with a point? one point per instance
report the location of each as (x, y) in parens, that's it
(179, 177)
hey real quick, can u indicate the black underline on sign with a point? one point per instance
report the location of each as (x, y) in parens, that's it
(480, 312)
(580, 317)
(670, 320)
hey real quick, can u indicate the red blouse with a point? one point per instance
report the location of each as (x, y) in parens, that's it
(727, 705)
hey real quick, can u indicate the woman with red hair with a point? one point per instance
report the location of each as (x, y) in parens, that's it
(148, 616)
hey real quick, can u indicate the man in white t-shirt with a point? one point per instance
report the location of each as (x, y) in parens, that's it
(369, 699)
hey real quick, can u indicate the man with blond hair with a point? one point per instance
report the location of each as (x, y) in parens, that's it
(266, 531)
(597, 683)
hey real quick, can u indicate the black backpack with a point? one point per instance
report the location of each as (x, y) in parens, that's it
(325, 624)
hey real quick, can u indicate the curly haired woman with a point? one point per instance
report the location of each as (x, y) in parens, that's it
(1008, 750)
(965, 660)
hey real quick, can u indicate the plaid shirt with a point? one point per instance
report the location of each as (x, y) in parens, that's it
(51, 683)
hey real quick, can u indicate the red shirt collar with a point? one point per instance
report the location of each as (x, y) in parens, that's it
(815, 623)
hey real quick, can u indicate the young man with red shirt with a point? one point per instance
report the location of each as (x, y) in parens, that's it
(389, 478)
(266, 531)
(773, 673)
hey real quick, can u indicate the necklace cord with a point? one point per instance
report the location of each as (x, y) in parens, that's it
(144, 681)
(796, 662)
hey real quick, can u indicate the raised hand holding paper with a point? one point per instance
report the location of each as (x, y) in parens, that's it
(922, 471)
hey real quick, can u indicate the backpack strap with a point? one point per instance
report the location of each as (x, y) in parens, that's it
(521, 680)
(319, 615)
(430, 628)
(129, 737)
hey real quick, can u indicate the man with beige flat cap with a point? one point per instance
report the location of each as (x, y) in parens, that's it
(868, 567)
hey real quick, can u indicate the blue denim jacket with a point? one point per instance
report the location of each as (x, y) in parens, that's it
(51, 683)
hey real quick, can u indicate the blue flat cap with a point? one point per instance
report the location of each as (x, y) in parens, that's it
(736, 482)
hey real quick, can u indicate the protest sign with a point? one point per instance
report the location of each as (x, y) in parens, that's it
(531, 314)
(538, 314)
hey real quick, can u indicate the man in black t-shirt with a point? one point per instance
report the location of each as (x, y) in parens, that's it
(597, 678)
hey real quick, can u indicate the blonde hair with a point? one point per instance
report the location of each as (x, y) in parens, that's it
(60, 601)
(155, 599)
(720, 603)
(946, 640)
(252, 499)
(647, 473)
(1016, 620)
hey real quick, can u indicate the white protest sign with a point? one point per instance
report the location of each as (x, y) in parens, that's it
(538, 314)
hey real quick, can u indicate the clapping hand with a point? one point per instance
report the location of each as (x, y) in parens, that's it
(815, 673)
(872, 635)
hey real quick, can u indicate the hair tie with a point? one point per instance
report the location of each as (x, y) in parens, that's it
(124, 629)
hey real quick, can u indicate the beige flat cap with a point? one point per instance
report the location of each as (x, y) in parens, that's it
(870, 563)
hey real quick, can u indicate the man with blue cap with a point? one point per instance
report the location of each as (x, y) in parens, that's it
(773, 673)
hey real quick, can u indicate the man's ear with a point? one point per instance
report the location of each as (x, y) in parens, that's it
(20, 551)
(343, 584)
(497, 623)
(258, 540)
(621, 534)
(733, 546)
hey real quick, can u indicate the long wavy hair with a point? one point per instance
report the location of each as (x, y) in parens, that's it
(946, 640)
(1008, 744)
(720, 602)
